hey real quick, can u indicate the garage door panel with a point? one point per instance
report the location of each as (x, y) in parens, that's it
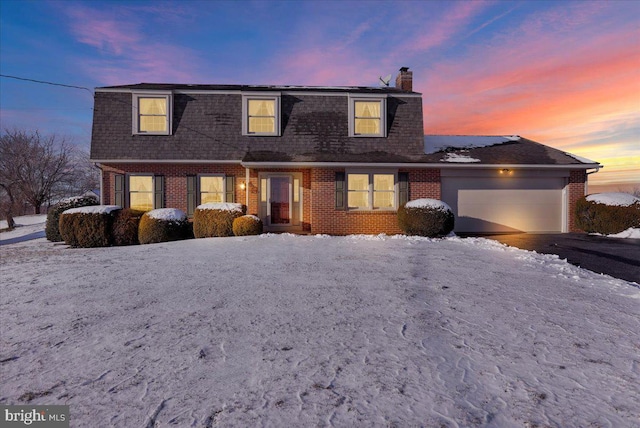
(505, 205)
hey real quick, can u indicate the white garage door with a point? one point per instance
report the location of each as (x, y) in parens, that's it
(505, 204)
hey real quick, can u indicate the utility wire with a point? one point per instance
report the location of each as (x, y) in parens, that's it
(47, 83)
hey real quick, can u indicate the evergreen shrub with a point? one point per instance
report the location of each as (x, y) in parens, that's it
(247, 225)
(163, 225)
(51, 229)
(125, 227)
(87, 229)
(593, 217)
(210, 220)
(426, 217)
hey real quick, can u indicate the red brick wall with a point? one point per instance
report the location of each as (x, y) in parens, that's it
(576, 190)
(175, 180)
(318, 184)
(326, 219)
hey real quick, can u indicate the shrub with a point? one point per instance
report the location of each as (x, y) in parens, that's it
(87, 227)
(52, 230)
(215, 219)
(247, 225)
(125, 227)
(426, 217)
(163, 225)
(594, 217)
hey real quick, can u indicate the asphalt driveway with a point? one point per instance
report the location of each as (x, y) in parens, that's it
(619, 258)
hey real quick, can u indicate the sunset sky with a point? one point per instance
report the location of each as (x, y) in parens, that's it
(566, 74)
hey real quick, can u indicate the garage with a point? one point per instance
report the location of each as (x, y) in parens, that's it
(505, 200)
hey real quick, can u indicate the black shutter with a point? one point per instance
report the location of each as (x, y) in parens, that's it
(340, 191)
(230, 194)
(119, 190)
(191, 194)
(158, 193)
(403, 188)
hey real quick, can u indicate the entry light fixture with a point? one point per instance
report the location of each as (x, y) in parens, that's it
(505, 171)
(243, 185)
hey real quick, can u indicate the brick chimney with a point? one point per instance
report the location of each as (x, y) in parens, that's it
(404, 80)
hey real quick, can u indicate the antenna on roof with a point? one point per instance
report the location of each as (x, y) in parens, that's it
(385, 81)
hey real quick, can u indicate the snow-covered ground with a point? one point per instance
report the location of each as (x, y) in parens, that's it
(27, 227)
(281, 330)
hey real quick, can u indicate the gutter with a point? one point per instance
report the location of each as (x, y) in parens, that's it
(438, 165)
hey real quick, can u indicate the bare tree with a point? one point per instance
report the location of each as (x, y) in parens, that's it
(34, 168)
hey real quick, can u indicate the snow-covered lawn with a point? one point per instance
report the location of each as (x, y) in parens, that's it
(283, 330)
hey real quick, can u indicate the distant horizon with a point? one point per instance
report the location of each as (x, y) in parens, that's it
(562, 73)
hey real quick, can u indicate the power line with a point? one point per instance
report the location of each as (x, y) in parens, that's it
(47, 83)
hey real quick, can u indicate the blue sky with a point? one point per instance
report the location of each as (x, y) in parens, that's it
(566, 74)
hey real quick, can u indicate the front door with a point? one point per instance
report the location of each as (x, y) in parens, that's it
(279, 201)
(281, 196)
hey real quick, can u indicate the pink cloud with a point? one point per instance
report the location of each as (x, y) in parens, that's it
(450, 24)
(128, 54)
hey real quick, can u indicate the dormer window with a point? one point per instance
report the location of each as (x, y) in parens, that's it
(261, 114)
(152, 114)
(367, 116)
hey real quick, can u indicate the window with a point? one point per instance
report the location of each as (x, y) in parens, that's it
(261, 114)
(371, 190)
(152, 114)
(141, 192)
(211, 189)
(367, 117)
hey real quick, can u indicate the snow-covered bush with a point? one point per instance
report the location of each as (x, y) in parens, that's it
(125, 227)
(51, 229)
(163, 225)
(247, 225)
(215, 219)
(88, 226)
(607, 213)
(426, 217)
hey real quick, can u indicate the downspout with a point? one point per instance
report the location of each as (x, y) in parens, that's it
(97, 165)
(246, 186)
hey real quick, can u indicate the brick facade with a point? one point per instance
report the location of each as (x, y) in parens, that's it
(319, 214)
(576, 190)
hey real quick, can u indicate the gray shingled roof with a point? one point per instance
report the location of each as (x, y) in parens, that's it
(495, 150)
(207, 126)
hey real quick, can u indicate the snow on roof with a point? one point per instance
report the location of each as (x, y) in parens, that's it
(580, 158)
(613, 199)
(428, 203)
(438, 143)
(167, 214)
(458, 158)
(222, 206)
(93, 209)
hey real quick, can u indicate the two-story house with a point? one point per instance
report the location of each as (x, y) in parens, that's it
(336, 160)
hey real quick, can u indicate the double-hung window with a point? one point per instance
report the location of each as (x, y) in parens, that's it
(212, 188)
(152, 113)
(141, 192)
(371, 190)
(261, 114)
(367, 116)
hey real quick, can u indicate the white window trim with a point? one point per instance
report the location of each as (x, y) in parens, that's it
(135, 122)
(382, 98)
(199, 190)
(371, 173)
(272, 96)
